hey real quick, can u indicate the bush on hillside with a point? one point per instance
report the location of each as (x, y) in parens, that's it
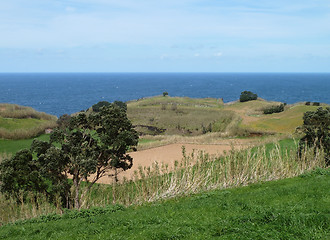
(64, 121)
(274, 109)
(121, 105)
(316, 128)
(96, 107)
(165, 94)
(247, 96)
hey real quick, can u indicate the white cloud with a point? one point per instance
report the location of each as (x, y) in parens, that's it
(70, 9)
(218, 54)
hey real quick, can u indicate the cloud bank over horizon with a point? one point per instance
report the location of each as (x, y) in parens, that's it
(164, 36)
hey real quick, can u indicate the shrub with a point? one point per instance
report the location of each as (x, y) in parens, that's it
(316, 128)
(308, 103)
(96, 107)
(64, 121)
(121, 105)
(274, 109)
(165, 94)
(316, 104)
(247, 96)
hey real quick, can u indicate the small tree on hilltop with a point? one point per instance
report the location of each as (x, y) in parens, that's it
(165, 94)
(316, 128)
(247, 96)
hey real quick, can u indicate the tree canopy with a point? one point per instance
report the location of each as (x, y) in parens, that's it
(247, 96)
(316, 128)
(88, 148)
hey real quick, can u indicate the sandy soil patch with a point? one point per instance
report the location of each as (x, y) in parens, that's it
(173, 152)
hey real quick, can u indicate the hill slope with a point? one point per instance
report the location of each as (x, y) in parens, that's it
(294, 208)
(19, 122)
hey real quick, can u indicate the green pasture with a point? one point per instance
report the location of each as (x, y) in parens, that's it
(17, 124)
(284, 122)
(9, 146)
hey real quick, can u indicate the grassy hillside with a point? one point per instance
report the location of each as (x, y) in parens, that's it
(253, 118)
(174, 115)
(19, 122)
(284, 122)
(294, 208)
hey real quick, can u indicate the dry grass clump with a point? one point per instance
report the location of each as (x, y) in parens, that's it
(16, 111)
(201, 172)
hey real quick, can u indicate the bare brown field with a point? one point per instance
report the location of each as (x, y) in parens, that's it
(167, 155)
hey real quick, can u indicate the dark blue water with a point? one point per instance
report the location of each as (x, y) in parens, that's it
(59, 93)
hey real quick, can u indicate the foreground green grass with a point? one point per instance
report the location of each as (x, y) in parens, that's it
(296, 208)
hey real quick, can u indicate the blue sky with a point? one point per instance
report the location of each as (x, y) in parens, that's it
(165, 36)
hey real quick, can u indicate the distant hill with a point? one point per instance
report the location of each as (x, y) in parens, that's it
(20, 122)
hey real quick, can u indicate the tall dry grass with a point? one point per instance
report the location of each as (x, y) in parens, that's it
(17, 111)
(200, 172)
(195, 173)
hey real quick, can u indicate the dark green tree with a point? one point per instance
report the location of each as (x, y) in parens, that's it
(96, 145)
(63, 121)
(91, 147)
(165, 94)
(20, 174)
(96, 107)
(316, 128)
(121, 105)
(32, 171)
(247, 96)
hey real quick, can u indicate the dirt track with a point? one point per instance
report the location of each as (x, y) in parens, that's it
(170, 153)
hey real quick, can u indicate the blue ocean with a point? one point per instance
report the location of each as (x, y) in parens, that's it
(60, 93)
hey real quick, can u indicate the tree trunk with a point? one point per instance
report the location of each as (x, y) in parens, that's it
(114, 182)
(76, 183)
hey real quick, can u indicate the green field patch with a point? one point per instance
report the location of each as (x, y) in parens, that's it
(12, 146)
(284, 122)
(14, 123)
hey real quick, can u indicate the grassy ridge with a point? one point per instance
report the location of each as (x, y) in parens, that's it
(188, 116)
(287, 209)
